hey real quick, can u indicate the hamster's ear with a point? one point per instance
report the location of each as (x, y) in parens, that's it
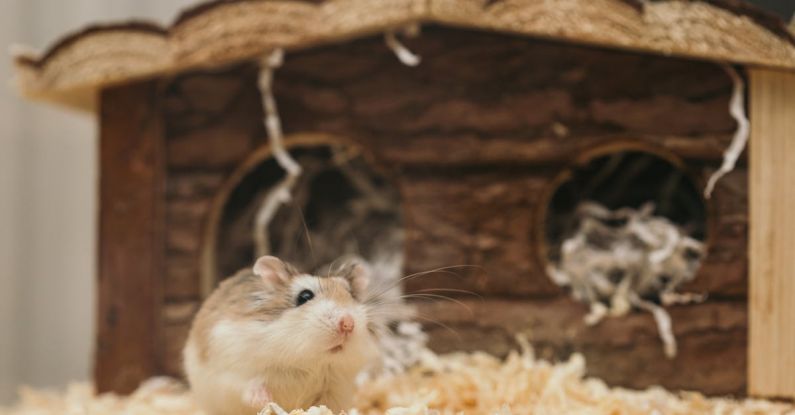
(272, 269)
(358, 275)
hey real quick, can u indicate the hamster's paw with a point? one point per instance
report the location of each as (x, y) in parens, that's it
(256, 395)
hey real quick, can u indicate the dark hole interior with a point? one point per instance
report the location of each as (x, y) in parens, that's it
(625, 179)
(339, 206)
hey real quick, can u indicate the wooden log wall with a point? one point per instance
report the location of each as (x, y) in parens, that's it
(131, 235)
(213, 122)
(474, 137)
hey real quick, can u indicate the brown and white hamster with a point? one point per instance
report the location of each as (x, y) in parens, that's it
(272, 334)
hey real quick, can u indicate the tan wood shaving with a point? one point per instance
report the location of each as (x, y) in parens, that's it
(474, 383)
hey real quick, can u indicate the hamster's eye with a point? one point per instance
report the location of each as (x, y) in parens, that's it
(303, 297)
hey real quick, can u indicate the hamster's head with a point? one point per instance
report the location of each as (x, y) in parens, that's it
(299, 319)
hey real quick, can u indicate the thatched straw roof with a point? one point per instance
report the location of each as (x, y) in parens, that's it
(218, 32)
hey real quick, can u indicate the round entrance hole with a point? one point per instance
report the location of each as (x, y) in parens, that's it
(633, 216)
(339, 206)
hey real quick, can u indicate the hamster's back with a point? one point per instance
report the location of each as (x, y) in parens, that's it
(214, 387)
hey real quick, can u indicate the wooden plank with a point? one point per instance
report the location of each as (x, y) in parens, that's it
(131, 237)
(772, 234)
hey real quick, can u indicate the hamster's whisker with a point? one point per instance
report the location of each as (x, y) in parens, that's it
(306, 233)
(441, 297)
(440, 324)
(380, 300)
(440, 270)
(319, 321)
(423, 273)
(380, 311)
(449, 290)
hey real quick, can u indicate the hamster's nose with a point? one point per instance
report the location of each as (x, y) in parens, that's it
(346, 324)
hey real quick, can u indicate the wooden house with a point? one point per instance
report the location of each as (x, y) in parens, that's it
(511, 98)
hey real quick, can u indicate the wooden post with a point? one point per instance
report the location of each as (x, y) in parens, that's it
(772, 234)
(131, 241)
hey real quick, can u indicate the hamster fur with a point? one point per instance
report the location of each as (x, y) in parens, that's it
(273, 334)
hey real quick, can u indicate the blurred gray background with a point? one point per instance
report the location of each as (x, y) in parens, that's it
(48, 202)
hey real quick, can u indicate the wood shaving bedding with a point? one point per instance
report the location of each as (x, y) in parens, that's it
(475, 383)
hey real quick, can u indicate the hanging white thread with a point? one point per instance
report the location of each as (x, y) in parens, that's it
(740, 139)
(663, 320)
(281, 192)
(403, 53)
(272, 123)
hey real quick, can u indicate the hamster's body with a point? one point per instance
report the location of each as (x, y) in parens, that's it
(272, 334)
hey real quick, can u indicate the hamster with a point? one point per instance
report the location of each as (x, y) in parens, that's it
(272, 334)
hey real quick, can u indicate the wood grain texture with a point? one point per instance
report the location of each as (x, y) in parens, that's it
(474, 132)
(473, 138)
(220, 33)
(131, 237)
(623, 351)
(772, 234)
